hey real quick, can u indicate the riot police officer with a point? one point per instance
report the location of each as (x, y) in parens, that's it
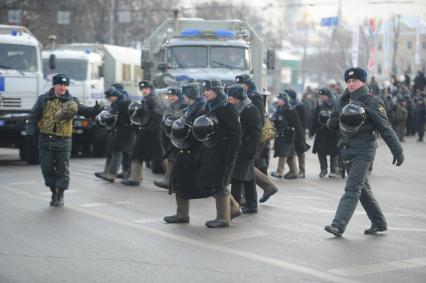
(190, 160)
(120, 133)
(262, 150)
(53, 112)
(358, 115)
(172, 113)
(287, 127)
(149, 136)
(251, 125)
(300, 144)
(325, 143)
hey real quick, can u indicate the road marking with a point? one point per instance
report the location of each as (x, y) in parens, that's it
(380, 267)
(407, 229)
(22, 183)
(93, 204)
(49, 193)
(329, 277)
(123, 202)
(146, 220)
(230, 237)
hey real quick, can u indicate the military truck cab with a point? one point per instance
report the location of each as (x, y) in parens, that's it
(197, 49)
(21, 81)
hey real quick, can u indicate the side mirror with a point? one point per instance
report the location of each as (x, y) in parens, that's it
(101, 71)
(52, 62)
(270, 59)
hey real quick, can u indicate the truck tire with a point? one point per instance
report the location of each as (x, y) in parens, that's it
(22, 152)
(31, 149)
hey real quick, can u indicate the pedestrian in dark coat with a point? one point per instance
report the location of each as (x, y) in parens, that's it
(300, 142)
(419, 82)
(173, 112)
(358, 148)
(420, 118)
(121, 136)
(126, 164)
(149, 137)
(251, 125)
(287, 126)
(325, 139)
(262, 151)
(205, 169)
(218, 161)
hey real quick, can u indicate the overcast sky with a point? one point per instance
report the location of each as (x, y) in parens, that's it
(353, 11)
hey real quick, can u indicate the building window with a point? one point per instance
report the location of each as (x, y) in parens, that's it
(126, 72)
(409, 68)
(379, 69)
(409, 44)
(124, 17)
(424, 44)
(14, 16)
(63, 17)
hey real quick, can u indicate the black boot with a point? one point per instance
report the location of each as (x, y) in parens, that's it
(60, 198)
(375, 229)
(333, 229)
(54, 196)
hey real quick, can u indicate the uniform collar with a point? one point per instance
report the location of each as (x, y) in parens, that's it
(357, 94)
(66, 97)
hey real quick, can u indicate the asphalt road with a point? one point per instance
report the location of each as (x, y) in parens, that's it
(113, 233)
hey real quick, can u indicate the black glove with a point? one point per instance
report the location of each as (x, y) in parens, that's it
(398, 159)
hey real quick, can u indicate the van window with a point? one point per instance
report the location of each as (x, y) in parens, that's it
(75, 69)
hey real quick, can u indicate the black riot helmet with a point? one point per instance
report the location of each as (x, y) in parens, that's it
(168, 123)
(180, 134)
(323, 117)
(136, 113)
(106, 119)
(204, 129)
(352, 118)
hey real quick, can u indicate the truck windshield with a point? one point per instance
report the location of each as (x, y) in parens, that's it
(18, 57)
(229, 57)
(187, 56)
(75, 69)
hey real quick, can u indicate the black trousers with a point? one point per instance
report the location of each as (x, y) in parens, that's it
(333, 162)
(358, 189)
(250, 193)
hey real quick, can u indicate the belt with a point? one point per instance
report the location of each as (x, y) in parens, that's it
(54, 136)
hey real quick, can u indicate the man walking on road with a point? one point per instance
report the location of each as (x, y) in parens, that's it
(358, 114)
(52, 114)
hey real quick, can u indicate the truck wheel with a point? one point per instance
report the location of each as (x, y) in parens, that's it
(22, 153)
(31, 149)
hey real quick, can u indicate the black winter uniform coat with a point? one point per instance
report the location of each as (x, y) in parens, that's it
(287, 126)
(217, 163)
(325, 139)
(121, 138)
(188, 161)
(251, 125)
(149, 137)
(363, 145)
(300, 141)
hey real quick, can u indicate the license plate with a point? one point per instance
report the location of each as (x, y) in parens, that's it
(2, 123)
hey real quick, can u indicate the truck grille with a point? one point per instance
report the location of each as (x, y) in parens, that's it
(10, 102)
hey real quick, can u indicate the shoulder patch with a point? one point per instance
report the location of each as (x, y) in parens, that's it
(381, 108)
